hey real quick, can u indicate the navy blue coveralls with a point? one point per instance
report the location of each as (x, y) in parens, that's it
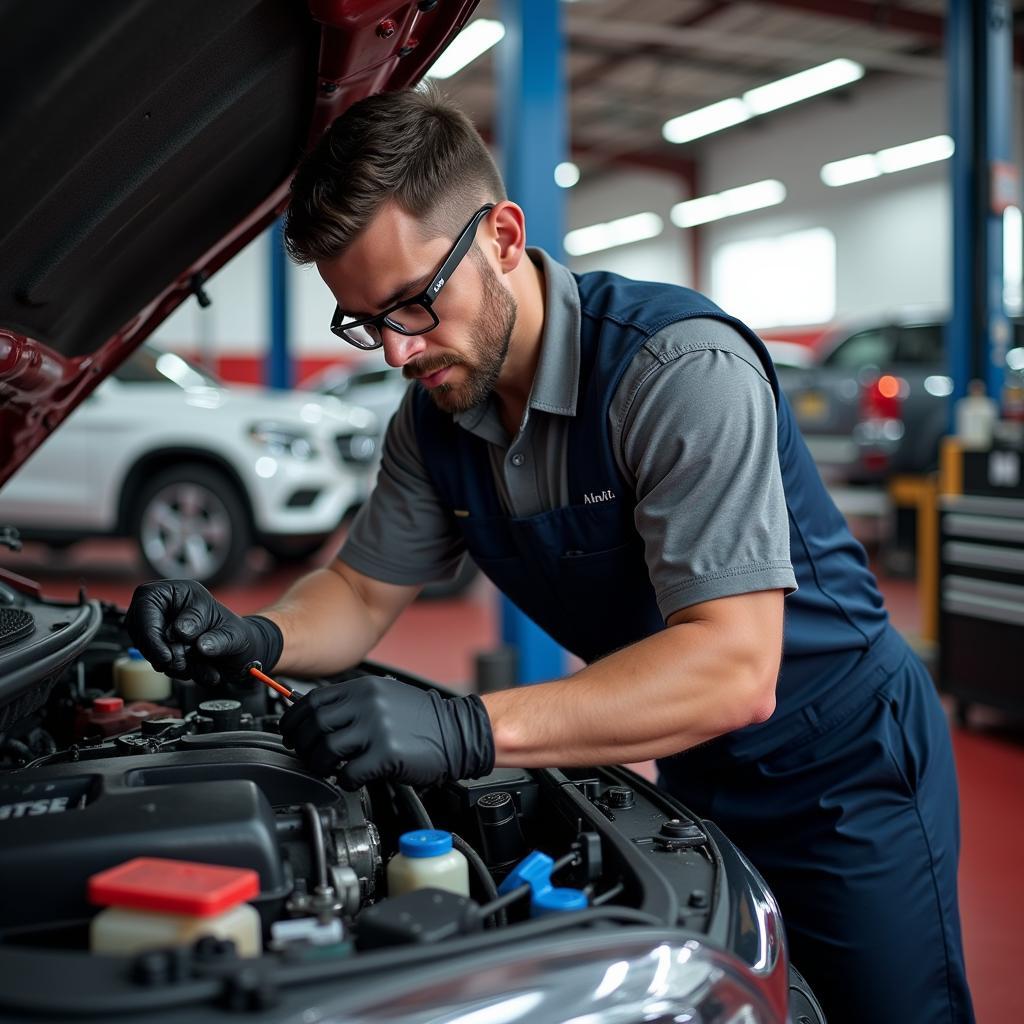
(846, 798)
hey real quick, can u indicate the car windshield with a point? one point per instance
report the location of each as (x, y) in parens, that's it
(150, 366)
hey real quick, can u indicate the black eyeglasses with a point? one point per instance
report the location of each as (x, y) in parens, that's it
(409, 316)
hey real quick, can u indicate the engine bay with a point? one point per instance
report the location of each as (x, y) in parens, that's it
(90, 780)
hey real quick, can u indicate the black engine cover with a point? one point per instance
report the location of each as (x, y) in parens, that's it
(59, 824)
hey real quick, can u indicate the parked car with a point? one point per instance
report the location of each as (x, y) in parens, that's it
(194, 471)
(375, 386)
(148, 144)
(877, 402)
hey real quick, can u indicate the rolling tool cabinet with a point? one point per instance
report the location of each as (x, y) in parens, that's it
(981, 582)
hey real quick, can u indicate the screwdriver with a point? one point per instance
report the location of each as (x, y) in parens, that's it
(257, 673)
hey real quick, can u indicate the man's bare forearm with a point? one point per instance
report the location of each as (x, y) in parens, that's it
(669, 692)
(331, 619)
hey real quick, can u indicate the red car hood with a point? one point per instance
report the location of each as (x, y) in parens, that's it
(145, 143)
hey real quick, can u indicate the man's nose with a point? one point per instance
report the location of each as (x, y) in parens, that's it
(400, 348)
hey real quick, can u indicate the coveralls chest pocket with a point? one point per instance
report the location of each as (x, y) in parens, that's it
(569, 569)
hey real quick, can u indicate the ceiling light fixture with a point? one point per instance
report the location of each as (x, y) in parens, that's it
(636, 228)
(915, 154)
(765, 98)
(476, 38)
(887, 161)
(706, 121)
(730, 203)
(803, 85)
(566, 174)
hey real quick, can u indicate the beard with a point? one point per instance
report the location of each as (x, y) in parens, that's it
(489, 337)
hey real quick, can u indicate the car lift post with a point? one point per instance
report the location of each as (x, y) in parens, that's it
(984, 182)
(531, 118)
(277, 371)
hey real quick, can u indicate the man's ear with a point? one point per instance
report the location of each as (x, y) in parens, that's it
(508, 234)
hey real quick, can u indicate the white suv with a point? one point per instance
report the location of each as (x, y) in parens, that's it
(195, 471)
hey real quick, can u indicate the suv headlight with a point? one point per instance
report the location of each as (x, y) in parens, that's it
(358, 448)
(278, 440)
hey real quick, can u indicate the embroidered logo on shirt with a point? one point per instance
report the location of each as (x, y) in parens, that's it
(593, 499)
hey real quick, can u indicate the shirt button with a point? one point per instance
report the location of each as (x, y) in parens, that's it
(518, 459)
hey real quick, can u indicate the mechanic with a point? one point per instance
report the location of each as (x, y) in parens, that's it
(617, 457)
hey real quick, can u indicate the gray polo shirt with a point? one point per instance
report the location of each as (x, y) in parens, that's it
(694, 433)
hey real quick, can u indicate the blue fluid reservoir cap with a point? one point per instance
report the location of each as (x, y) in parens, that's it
(553, 901)
(425, 842)
(135, 654)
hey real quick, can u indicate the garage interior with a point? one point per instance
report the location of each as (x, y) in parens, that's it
(882, 205)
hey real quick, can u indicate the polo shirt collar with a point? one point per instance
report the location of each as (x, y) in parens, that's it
(556, 382)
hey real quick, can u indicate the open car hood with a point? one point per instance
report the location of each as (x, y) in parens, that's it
(145, 143)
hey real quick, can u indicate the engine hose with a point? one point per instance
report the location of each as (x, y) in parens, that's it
(610, 894)
(21, 751)
(483, 875)
(41, 742)
(318, 843)
(423, 820)
(415, 806)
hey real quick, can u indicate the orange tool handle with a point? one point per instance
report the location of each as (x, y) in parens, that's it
(272, 683)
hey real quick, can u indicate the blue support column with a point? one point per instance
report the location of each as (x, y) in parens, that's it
(1001, 179)
(980, 56)
(962, 326)
(532, 138)
(277, 371)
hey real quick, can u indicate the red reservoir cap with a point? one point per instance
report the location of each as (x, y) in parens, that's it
(107, 705)
(173, 886)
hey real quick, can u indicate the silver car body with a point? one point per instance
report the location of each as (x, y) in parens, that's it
(75, 480)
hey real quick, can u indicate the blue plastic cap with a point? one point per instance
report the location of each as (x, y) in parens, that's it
(425, 842)
(554, 901)
(135, 654)
(533, 870)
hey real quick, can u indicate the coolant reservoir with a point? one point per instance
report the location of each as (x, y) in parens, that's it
(427, 859)
(152, 902)
(136, 679)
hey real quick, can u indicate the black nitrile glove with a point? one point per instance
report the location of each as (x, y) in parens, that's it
(386, 729)
(182, 630)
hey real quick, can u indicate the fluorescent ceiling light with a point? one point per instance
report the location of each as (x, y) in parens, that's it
(566, 174)
(887, 161)
(733, 201)
(856, 168)
(705, 121)
(915, 154)
(476, 38)
(803, 85)
(615, 232)
(764, 98)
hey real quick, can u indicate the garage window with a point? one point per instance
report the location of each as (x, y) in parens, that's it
(777, 282)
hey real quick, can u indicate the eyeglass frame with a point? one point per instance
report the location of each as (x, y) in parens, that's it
(425, 299)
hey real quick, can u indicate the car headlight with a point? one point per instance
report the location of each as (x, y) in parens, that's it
(358, 448)
(278, 440)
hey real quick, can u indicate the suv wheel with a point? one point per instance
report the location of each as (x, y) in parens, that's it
(191, 523)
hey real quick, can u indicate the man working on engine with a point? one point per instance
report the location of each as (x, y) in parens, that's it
(617, 457)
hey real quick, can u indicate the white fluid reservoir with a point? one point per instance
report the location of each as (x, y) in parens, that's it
(426, 859)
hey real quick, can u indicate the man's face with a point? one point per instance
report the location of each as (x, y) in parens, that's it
(459, 361)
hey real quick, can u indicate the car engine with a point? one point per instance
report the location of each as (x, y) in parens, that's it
(89, 780)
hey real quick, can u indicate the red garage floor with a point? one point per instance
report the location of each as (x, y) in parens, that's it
(439, 639)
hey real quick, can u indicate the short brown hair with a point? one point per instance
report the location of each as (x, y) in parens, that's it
(414, 147)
